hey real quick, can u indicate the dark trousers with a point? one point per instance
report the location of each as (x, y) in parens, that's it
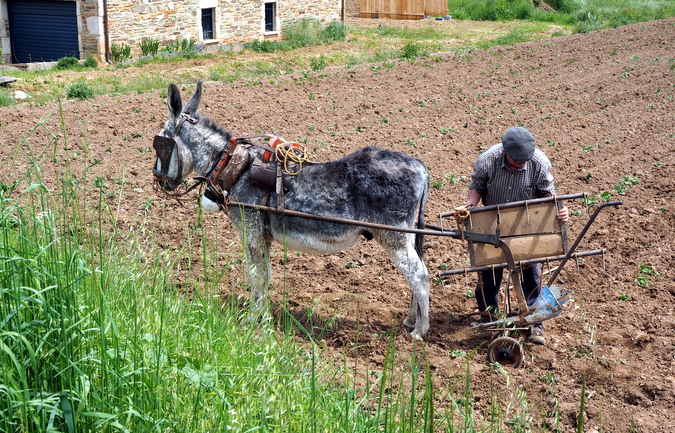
(489, 282)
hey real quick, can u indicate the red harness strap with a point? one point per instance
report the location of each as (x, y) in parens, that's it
(224, 159)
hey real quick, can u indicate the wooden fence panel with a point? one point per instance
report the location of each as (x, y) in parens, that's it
(436, 7)
(393, 9)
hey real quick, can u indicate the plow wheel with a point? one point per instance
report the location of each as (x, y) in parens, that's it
(506, 351)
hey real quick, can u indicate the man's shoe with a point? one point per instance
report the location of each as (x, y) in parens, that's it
(537, 335)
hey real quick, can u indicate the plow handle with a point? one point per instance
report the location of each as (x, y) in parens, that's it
(598, 208)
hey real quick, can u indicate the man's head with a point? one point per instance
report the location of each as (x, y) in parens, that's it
(518, 143)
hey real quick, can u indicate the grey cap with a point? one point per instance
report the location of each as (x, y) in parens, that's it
(518, 143)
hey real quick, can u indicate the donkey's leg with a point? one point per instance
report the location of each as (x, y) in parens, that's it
(401, 249)
(258, 266)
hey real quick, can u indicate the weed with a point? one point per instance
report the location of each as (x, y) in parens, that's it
(453, 179)
(90, 62)
(644, 272)
(445, 131)
(625, 183)
(318, 63)
(80, 90)
(623, 296)
(437, 184)
(410, 143)
(6, 97)
(351, 265)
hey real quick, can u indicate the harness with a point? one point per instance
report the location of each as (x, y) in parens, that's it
(267, 168)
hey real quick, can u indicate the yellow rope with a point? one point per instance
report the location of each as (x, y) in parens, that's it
(292, 152)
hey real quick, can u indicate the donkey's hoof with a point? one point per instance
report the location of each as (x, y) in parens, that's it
(416, 335)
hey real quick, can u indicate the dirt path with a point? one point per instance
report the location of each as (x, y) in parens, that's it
(600, 106)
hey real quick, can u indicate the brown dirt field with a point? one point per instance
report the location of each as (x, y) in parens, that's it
(600, 106)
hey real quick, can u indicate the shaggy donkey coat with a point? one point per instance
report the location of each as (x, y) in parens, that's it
(372, 184)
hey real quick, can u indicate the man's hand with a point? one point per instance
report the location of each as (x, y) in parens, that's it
(563, 214)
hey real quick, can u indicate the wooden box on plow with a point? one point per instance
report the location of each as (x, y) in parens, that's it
(531, 230)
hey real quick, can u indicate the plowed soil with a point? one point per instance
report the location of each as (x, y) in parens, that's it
(600, 106)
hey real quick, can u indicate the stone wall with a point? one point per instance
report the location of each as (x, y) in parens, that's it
(129, 21)
(237, 21)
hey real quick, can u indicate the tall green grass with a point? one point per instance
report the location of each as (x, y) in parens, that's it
(584, 15)
(97, 335)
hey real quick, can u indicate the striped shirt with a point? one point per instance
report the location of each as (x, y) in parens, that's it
(496, 184)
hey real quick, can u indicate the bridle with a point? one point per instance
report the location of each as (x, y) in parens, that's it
(164, 149)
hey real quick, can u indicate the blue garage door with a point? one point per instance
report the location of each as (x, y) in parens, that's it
(42, 30)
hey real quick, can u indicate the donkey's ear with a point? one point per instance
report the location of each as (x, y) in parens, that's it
(193, 103)
(174, 101)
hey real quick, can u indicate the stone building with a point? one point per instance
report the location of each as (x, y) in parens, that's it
(46, 30)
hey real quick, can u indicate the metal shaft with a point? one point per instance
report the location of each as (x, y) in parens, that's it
(578, 239)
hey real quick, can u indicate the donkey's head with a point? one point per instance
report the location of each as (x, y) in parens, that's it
(189, 142)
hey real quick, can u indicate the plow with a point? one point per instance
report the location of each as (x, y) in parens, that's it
(510, 236)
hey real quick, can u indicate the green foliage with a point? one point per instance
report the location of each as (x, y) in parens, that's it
(119, 52)
(318, 63)
(586, 15)
(624, 184)
(644, 272)
(149, 46)
(513, 37)
(310, 32)
(413, 50)
(90, 62)
(6, 97)
(491, 10)
(80, 90)
(67, 63)
(266, 46)
(180, 45)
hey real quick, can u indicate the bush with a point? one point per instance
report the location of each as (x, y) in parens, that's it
(149, 46)
(264, 46)
(335, 32)
(67, 63)
(91, 62)
(80, 90)
(564, 6)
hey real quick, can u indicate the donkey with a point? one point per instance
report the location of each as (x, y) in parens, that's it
(371, 185)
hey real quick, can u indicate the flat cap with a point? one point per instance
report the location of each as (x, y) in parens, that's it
(518, 143)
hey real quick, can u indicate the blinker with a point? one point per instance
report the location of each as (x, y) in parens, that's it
(164, 147)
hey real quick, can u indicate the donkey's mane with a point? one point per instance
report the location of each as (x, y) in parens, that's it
(211, 124)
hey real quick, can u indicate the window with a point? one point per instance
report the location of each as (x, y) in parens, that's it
(270, 17)
(208, 16)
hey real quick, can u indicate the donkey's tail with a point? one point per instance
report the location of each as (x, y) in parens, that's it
(419, 237)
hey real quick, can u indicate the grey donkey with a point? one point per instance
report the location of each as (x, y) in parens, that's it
(373, 185)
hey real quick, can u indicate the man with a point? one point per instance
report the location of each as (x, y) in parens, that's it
(513, 170)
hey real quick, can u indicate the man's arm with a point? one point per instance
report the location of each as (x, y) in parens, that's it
(472, 198)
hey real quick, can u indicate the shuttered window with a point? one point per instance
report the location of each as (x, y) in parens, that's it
(41, 30)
